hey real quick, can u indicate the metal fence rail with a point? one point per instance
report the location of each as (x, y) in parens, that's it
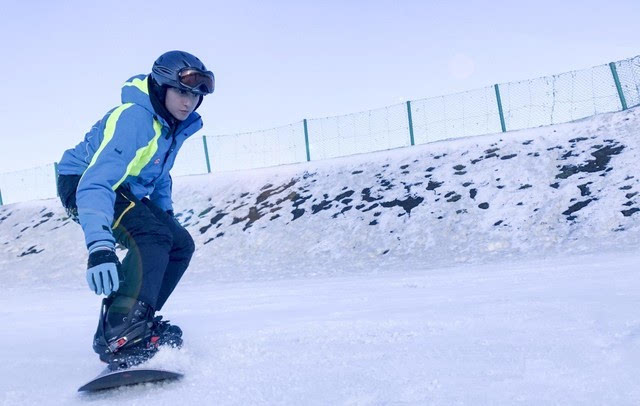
(498, 108)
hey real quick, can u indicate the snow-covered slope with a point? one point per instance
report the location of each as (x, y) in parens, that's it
(500, 269)
(553, 190)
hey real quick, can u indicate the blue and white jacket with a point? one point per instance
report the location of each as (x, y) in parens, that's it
(132, 146)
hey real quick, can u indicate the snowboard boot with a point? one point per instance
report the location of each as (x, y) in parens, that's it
(167, 333)
(124, 337)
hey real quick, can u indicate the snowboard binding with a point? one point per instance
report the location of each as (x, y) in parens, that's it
(125, 340)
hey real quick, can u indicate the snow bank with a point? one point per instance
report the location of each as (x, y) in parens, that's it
(561, 189)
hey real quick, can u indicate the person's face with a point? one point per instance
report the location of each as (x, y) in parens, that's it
(180, 103)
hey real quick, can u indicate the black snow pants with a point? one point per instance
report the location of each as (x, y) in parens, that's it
(159, 248)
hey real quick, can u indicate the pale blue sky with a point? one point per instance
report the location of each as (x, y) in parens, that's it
(277, 62)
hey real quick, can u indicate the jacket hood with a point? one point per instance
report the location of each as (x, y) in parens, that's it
(136, 90)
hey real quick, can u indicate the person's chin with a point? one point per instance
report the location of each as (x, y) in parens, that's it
(181, 116)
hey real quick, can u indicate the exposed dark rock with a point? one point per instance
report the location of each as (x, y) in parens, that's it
(297, 213)
(205, 211)
(323, 205)
(373, 206)
(386, 184)
(344, 210)
(602, 157)
(366, 196)
(267, 192)
(218, 217)
(298, 201)
(578, 139)
(484, 206)
(407, 204)
(434, 185)
(30, 250)
(576, 207)
(344, 195)
(253, 216)
(41, 222)
(584, 189)
(293, 196)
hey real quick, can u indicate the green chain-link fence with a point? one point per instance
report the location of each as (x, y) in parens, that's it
(498, 108)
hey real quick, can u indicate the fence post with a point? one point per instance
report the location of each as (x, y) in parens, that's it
(206, 153)
(55, 179)
(410, 123)
(616, 79)
(502, 124)
(306, 139)
(0, 197)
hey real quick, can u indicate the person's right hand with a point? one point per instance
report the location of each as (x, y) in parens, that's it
(102, 270)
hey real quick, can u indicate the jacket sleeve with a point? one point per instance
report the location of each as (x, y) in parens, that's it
(126, 129)
(161, 195)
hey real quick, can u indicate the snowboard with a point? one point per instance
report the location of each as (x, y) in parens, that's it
(109, 379)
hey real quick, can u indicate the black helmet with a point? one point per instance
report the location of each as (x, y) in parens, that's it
(184, 71)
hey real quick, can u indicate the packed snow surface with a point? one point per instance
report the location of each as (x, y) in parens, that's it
(491, 270)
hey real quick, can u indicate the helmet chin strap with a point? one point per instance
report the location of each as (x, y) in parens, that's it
(199, 102)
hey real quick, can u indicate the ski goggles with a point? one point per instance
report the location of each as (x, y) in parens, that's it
(196, 80)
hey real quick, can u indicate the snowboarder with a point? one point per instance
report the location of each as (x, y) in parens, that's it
(116, 185)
